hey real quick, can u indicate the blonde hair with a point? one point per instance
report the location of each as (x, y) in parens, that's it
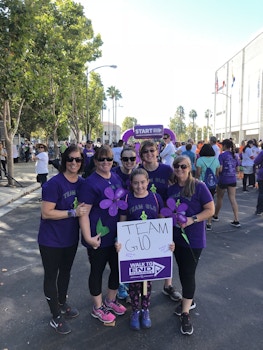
(189, 187)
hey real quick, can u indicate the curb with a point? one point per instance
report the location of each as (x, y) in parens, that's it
(23, 192)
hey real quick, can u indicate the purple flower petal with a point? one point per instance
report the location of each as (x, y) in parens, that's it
(181, 218)
(166, 212)
(109, 193)
(120, 192)
(122, 204)
(171, 203)
(113, 209)
(182, 207)
(105, 203)
(174, 219)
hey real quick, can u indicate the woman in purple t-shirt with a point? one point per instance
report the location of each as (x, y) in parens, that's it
(199, 207)
(99, 231)
(58, 235)
(229, 165)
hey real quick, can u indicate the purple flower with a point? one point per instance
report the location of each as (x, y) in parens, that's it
(175, 210)
(114, 203)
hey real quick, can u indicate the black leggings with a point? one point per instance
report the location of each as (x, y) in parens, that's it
(98, 259)
(187, 267)
(57, 263)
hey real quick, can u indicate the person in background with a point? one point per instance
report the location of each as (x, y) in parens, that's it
(3, 157)
(248, 165)
(58, 235)
(200, 207)
(99, 231)
(207, 159)
(15, 154)
(142, 205)
(27, 150)
(168, 153)
(117, 152)
(88, 152)
(159, 177)
(213, 143)
(229, 165)
(259, 164)
(41, 159)
(188, 152)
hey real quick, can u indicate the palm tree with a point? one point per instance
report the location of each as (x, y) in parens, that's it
(115, 95)
(207, 116)
(193, 115)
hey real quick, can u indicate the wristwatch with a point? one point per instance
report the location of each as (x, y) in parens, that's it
(71, 213)
(195, 219)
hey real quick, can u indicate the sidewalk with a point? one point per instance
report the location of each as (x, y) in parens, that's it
(25, 182)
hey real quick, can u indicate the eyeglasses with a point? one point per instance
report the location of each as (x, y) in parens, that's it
(126, 159)
(165, 138)
(148, 151)
(103, 159)
(182, 166)
(77, 159)
(41, 147)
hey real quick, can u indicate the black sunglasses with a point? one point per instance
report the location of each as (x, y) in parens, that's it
(165, 138)
(77, 159)
(148, 151)
(103, 159)
(182, 166)
(41, 147)
(126, 159)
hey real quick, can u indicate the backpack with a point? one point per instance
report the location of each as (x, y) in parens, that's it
(210, 179)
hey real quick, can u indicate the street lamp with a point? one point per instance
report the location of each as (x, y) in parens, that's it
(87, 97)
(230, 109)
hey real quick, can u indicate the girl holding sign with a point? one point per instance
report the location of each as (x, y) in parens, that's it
(189, 230)
(142, 205)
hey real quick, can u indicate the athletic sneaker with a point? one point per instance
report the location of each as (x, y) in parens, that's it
(172, 293)
(208, 227)
(235, 223)
(215, 218)
(103, 314)
(60, 325)
(116, 307)
(259, 213)
(68, 311)
(135, 320)
(178, 309)
(145, 319)
(122, 292)
(186, 326)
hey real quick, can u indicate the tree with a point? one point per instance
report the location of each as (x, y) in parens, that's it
(193, 116)
(208, 115)
(177, 124)
(128, 123)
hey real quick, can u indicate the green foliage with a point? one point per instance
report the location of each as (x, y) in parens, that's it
(177, 124)
(128, 123)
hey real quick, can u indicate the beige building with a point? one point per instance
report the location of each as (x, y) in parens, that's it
(238, 98)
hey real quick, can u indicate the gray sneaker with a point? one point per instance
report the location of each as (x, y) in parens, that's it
(172, 293)
(60, 325)
(178, 309)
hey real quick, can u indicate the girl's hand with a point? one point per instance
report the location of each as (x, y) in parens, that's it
(81, 209)
(117, 247)
(172, 246)
(95, 242)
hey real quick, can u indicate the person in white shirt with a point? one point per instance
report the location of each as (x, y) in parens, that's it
(215, 147)
(168, 153)
(41, 159)
(117, 153)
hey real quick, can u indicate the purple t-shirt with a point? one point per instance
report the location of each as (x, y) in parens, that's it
(92, 192)
(259, 161)
(150, 205)
(64, 232)
(229, 164)
(196, 232)
(124, 177)
(159, 179)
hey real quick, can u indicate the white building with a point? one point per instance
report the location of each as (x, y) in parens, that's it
(238, 98)
(111, 133)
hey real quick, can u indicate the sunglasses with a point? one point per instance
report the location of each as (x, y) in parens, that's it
(126, 159)
(165, 138)
(103, 159)
(41, 147)
(182, 166)
(77, 159)
(148, 151)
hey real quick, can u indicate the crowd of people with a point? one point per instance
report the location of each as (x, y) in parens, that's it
(97, 187)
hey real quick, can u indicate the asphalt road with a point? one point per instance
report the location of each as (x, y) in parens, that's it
(229, 292)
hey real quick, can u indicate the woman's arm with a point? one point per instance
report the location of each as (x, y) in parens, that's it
(207, 212)
(84, 222)
(48, 211)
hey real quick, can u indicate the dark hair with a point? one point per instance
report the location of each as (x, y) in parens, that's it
(228, 144)
(188, 147)
(207, 150)
(250, 142)
(103, 151)
(128, 149)
(65, 155)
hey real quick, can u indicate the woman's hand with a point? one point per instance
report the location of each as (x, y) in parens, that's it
(81, 209)
(95, 241)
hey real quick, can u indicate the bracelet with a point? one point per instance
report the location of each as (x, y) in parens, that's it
(72, 213)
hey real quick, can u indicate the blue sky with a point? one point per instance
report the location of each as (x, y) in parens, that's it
(167, 51)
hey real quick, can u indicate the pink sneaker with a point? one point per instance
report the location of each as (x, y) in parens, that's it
(116, 307)
(103, 314)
